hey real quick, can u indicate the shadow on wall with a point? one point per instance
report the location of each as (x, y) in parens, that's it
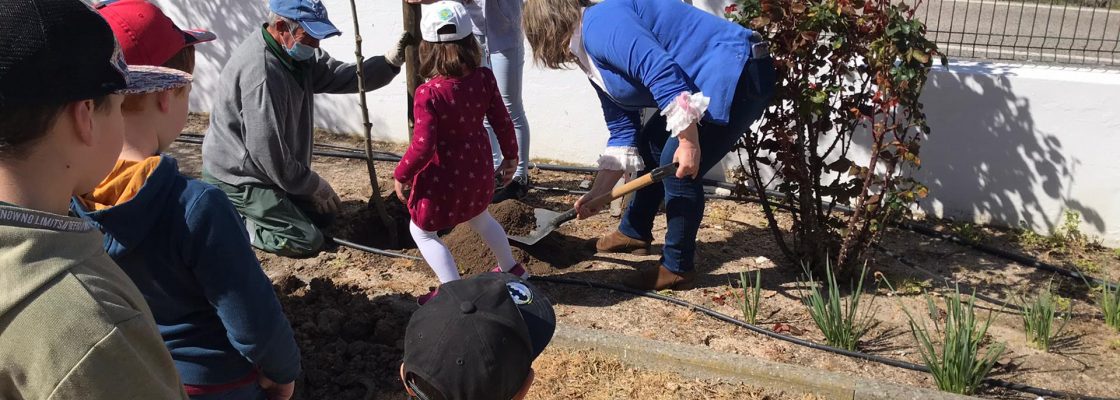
(986, 161)
(231, 20)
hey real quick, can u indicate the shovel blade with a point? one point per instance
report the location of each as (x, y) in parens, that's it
(546, 223)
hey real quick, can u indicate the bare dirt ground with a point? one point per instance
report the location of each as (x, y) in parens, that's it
(374, 294)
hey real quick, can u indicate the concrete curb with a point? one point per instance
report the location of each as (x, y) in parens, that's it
(701, 362)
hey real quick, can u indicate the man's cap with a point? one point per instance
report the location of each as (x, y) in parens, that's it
(478, 337)
(147, 36)
(54, 51)
(445, 21)
(310, 14)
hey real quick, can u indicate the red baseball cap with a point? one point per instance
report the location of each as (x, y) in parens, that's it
(146, 35)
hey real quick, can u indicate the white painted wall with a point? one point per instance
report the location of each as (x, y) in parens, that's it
(1010, 143)
(1017, 143)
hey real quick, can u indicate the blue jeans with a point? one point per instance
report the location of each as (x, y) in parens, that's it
(508, 66)
(251, 391)
(684, 198)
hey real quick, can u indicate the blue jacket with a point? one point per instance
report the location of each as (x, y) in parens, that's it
(186, 248)
(649, 51)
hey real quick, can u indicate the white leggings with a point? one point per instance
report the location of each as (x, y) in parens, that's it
(437, 255)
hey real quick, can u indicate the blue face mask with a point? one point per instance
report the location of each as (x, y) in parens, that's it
(300, 51)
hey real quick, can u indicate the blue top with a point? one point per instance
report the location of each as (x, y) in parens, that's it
(499, 21)
(649, 51)
(185, 247)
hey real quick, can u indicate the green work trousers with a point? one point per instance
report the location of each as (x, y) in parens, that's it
(277, 223)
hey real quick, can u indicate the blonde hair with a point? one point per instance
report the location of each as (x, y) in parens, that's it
(549, 25)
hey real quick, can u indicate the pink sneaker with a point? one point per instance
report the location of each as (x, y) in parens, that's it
(425, 298)
(517, 269)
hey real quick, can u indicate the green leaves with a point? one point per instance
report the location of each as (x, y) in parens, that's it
(952, 348)
(846, 69)
(841, 320)
(751, 295)
(1038, 315)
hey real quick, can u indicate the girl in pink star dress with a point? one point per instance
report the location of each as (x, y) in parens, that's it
(448, 165)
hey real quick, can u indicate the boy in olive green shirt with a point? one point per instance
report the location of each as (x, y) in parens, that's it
(72, 324)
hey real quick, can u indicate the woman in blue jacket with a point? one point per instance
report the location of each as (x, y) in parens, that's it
(709, 78)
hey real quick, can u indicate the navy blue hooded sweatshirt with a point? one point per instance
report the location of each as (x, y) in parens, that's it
(186, 248)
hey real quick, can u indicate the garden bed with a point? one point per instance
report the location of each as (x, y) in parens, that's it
(732, 239)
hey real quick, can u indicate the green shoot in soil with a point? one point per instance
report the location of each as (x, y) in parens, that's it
(1110, 305)
(837, 318)
(1039, 313)
(957, 366)
(752, 291)
(969, 231)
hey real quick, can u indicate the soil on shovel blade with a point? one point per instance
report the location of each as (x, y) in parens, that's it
(350, 345)
(554, 251)
(516, 217)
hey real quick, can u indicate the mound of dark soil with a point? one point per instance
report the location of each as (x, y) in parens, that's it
(350, 345)
(358, 222)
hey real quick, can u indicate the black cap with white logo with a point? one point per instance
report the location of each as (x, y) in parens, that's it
(54, 51)
(478, 337)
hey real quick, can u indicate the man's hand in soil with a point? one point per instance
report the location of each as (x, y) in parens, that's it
(400, 188)
(604, 182)
(506, 171)
(277, 391)
(325, 199)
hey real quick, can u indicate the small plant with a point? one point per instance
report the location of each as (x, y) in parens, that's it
(1109, 302)
(1116, 253)
(1039, 313)
(840, 321)
(752, 292)
(969, 231)
(1088, 266)
(912, 286)
(1066, 238)
(1114, 344)
(953, 357)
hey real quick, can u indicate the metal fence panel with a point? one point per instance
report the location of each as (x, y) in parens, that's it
(1079, 32)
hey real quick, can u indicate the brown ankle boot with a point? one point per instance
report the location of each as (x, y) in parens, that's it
(659, 278)
(616, 242)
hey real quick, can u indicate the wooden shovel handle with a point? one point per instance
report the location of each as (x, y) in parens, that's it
(645, 180)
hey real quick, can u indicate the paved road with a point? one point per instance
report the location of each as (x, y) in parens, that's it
(1000, 29)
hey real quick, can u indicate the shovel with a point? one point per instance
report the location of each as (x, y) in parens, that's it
(548, 220)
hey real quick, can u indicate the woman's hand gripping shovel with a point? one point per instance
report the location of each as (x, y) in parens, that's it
(548, 220)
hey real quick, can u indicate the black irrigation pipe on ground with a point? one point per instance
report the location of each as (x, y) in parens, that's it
(343, 152)
(1015, 307)
(1016, 257)
(801, 342)
(355, 246)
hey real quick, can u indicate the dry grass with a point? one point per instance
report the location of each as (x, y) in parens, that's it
(563, 374)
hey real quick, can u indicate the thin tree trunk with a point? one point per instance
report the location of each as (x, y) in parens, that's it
(412, 58)
(375, 199)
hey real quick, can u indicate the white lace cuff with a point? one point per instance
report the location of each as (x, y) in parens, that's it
(621, 158)
(684, 110)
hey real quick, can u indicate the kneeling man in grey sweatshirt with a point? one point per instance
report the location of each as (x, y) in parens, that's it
(258, 147)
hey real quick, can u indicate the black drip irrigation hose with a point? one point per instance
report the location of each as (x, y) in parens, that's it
(341, 152)
(801, 342)
(1016, 257)
(355, 246)
(358, 154)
